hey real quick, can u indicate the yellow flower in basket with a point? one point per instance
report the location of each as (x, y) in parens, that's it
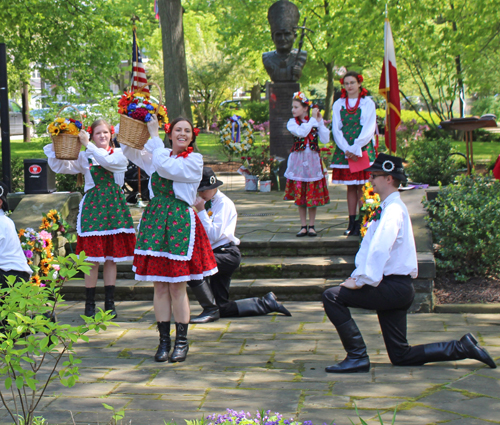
(60, 120)
(56, 131)
(63, 126)
(73, 129)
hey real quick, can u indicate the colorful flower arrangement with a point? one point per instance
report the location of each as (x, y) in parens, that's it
(232, 417)
(38, 247)
(64, 126)
(262, 164)
(237, 135)
(371, 202)
(137, 105)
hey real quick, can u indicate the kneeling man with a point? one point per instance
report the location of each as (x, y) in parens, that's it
(386, 263)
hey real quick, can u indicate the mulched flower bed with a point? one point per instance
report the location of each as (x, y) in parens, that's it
(221, 167)
(475, 291)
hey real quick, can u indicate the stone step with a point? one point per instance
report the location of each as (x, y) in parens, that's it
(338, 266)
(285, 289)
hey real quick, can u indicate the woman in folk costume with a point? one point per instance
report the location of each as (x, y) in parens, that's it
(172, 246)
(105, 228)
(306, 183)
(353, 126)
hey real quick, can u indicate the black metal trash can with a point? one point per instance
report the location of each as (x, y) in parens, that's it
(38, 177)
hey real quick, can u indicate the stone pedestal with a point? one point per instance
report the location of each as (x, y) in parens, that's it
(280, 111)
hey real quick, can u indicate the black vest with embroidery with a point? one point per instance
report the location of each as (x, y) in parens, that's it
(300, 143)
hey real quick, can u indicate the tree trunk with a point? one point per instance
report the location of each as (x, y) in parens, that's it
(330, 91)
(26, 113)
(174, 59)
(255, 93)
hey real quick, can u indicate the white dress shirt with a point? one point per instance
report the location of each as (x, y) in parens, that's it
(388, 246)
(368, 123)
(186, 173)
(12, 257)
(221, 225)
(115, 162)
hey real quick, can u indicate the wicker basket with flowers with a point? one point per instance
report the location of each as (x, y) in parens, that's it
(136, 110)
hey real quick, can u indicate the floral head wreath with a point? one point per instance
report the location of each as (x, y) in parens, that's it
(301, 97)
(168, 129)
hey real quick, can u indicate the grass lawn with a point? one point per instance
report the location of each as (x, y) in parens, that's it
(484, 151)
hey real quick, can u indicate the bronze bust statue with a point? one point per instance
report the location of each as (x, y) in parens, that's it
(284, 64)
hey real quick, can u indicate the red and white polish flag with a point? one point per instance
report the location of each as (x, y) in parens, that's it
(389, 88)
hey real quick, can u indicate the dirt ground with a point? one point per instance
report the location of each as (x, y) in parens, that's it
(476, 290)
(220, 167)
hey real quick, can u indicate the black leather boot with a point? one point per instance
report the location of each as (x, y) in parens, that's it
(352, 219)
(466, 348)
(356, 230)
(165, 343)
(109, 301)
(89, 302)
(181, 346)
(205, 297)
(260, 306)
(357, 359)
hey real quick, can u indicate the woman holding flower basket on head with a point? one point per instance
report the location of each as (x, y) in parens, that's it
(172, 246)
(306, 183)
(105, 228)
(353, 126)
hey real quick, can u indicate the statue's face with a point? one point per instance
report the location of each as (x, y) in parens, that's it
(283, 40)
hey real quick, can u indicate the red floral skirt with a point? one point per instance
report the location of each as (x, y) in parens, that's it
(163, 269)
(344, 176)
(119, 247)
(307, 194)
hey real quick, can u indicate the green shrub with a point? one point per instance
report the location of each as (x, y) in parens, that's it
(486, 105)
(17, 173)
(431, 163)
(257, 111)
(67, 183)
(465, 226)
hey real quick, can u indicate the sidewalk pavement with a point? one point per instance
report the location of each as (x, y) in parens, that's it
(277, 363)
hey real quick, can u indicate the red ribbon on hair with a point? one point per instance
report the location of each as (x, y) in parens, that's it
(186, 152)
(196, 131)
(167, 128)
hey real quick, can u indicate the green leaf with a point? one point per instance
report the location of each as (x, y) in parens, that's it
(8, 382)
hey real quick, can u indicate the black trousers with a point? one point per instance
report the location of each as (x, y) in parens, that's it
(19, 276)
(391, 299)
(228, 259)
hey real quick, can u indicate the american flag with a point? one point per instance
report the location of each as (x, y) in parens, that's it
(138, 72)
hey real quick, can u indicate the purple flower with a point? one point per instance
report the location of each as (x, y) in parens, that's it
(28, 254)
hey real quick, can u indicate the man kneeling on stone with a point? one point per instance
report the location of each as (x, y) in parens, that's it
(386, 263)
(218, 215)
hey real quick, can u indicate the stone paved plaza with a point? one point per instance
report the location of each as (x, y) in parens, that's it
(277, 363)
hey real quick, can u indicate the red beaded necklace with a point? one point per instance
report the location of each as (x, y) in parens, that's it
(352, 110)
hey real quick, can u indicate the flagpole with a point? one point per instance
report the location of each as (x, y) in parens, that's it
(387, 84)
(136, 77)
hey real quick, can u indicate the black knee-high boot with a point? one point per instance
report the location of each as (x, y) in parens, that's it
(181, 346)
(260, 306)
(165, 343)
(109, 302)
(466, 348)
(205, 297)
(89, 302)
(357, 359)
(352, 220)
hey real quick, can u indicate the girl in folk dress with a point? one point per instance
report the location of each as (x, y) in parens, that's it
(104, 225)
(306, 183)
(353, 127)
(172, 246)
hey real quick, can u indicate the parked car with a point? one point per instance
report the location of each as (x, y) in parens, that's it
(16, 119)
